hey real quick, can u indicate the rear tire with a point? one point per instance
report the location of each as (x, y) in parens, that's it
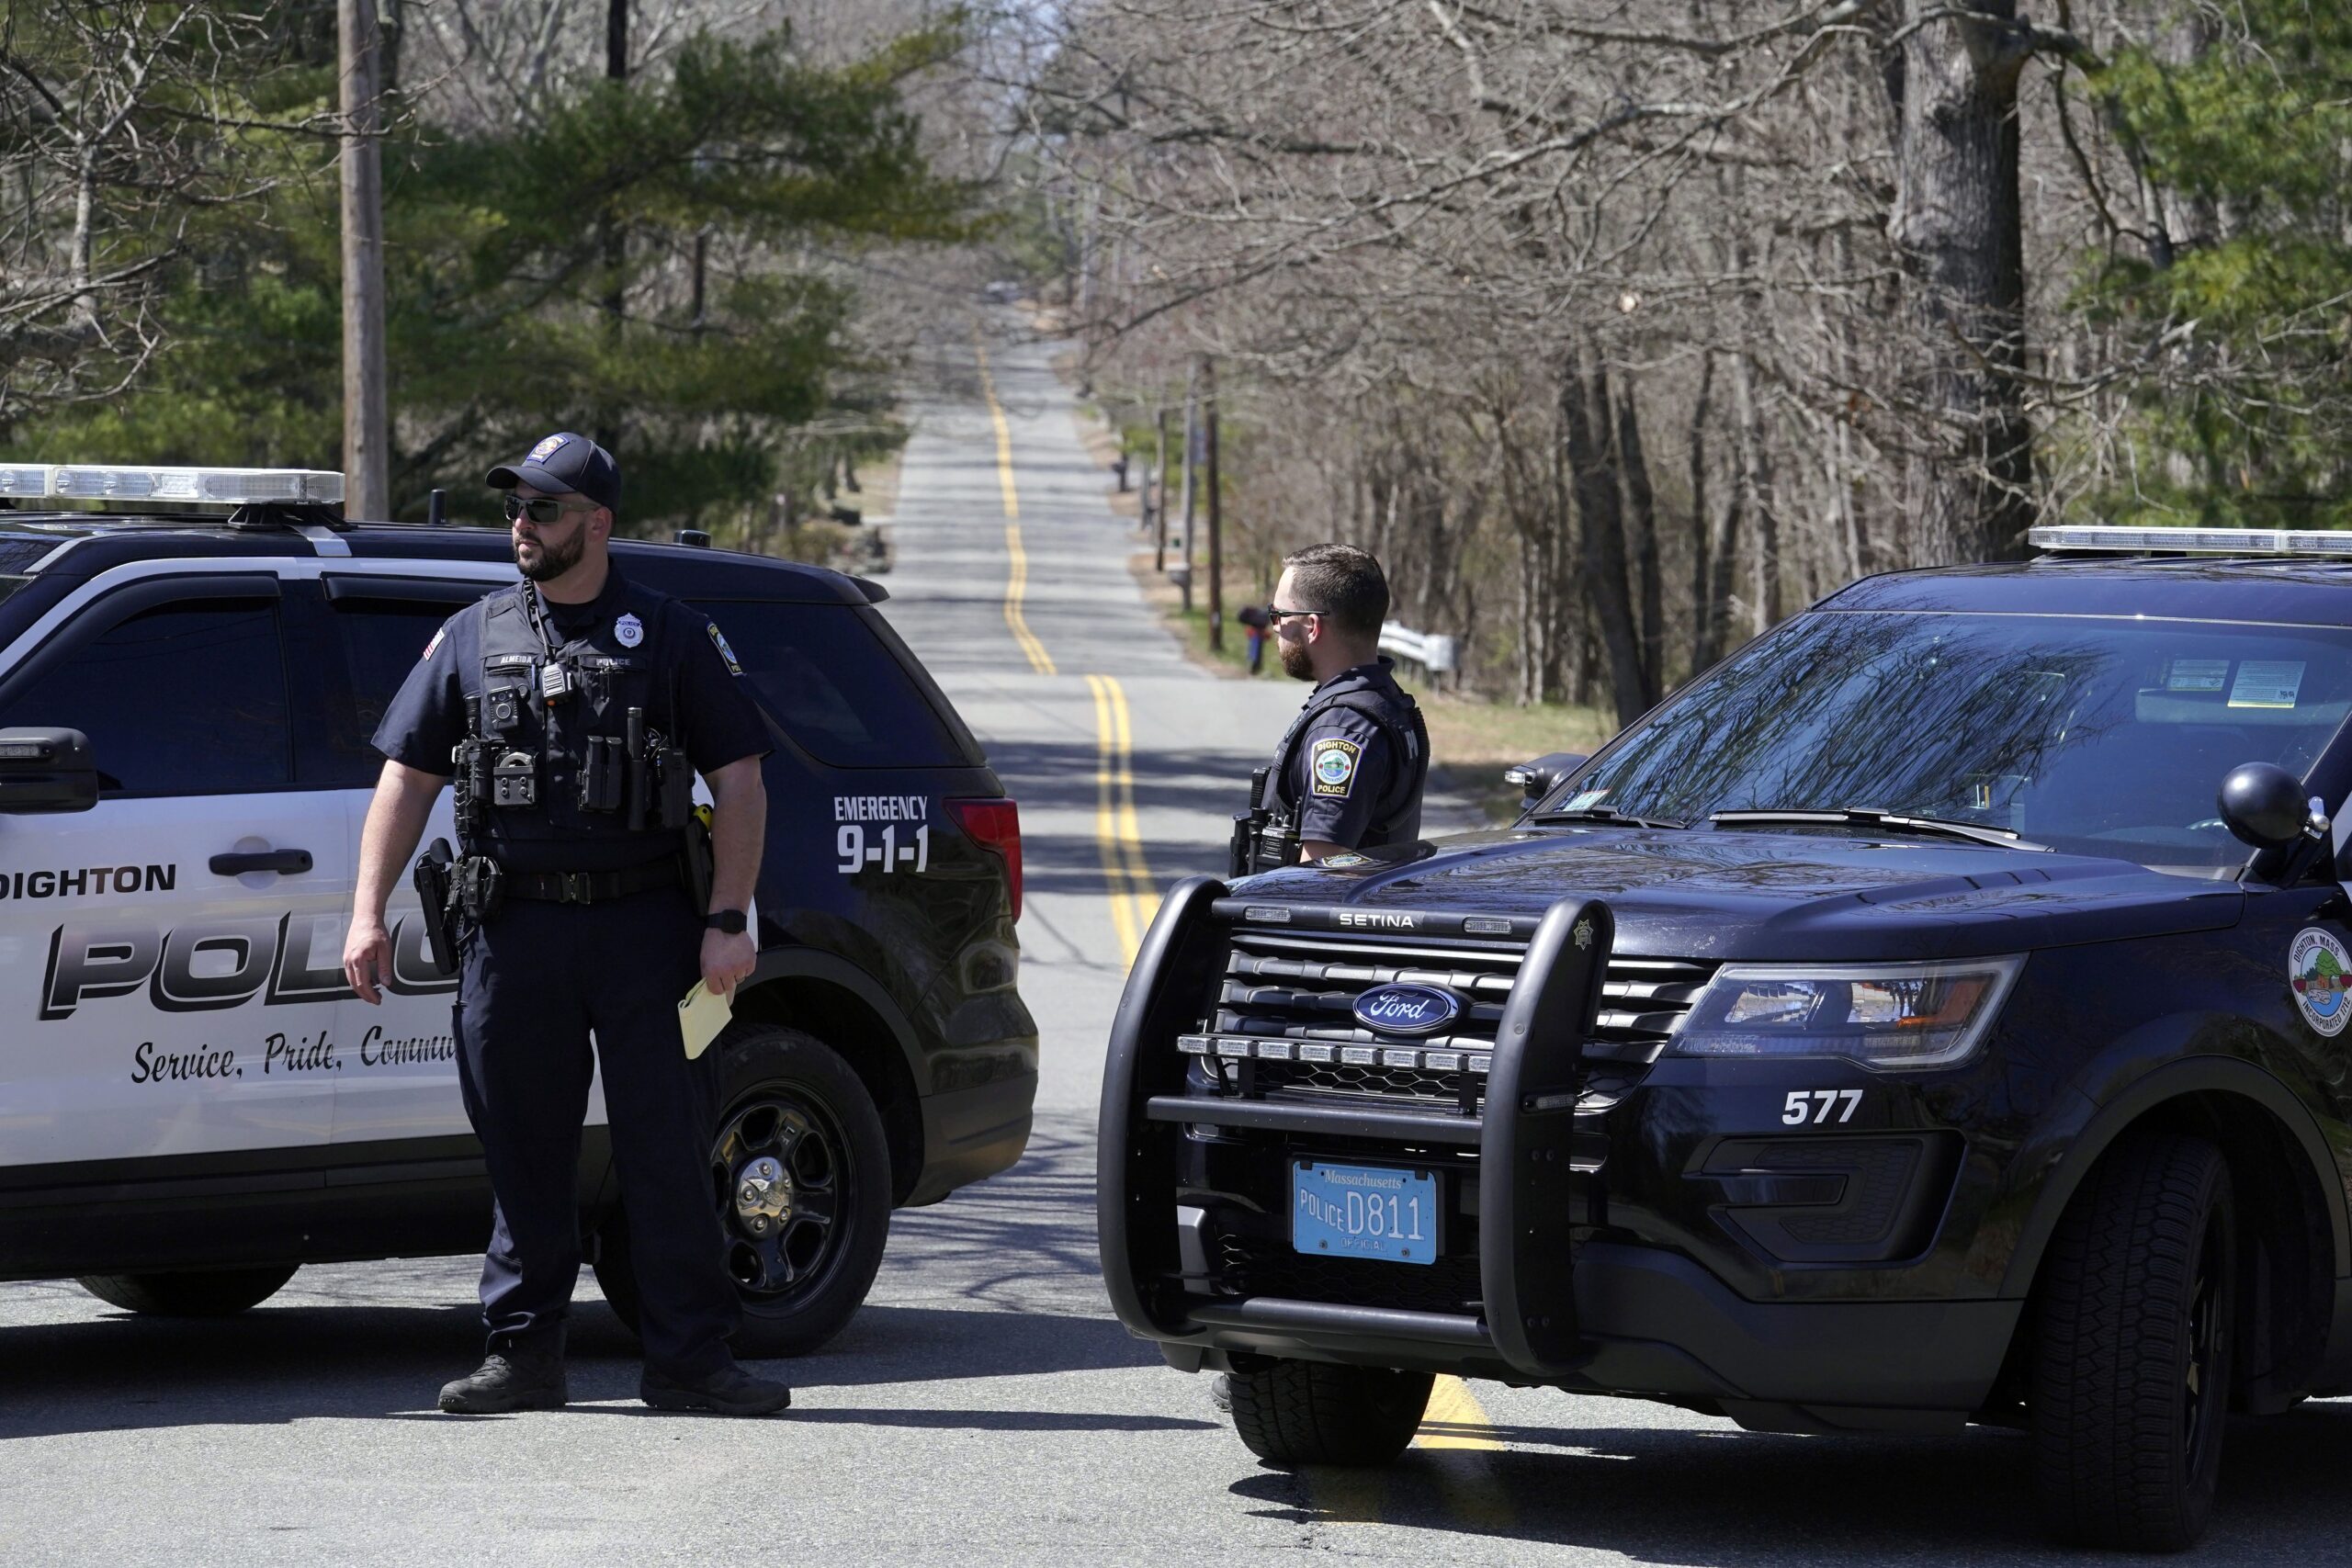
(2130, 1385)
(1313, 1412)
(790, 1098)
(194, 1292)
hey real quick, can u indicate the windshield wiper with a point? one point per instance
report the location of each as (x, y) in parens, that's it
(1605, 814)
(1865, 816)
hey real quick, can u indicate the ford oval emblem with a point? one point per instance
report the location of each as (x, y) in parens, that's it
(1407, 1010)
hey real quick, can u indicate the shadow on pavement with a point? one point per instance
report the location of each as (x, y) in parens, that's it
(1733, 1499)
(118, 1372)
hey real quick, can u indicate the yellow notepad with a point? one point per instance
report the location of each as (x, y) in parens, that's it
(701, 1015)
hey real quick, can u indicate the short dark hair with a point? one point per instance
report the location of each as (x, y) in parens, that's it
(1342, 582)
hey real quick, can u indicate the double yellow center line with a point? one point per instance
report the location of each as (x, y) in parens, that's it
(1016, 586)
(1134, 897)
(1016, 590)
(1461, 1439)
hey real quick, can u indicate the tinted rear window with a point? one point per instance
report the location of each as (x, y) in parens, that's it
(831, 684)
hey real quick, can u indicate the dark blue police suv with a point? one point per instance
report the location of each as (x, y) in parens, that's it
(1933, 1014)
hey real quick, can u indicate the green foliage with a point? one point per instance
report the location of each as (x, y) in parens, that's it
(2246, 409)
(545, 276)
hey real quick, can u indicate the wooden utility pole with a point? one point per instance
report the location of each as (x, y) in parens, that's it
(1216, 517)
(614, 242)
(1191, 433)
(366, 415)
(1159, 497)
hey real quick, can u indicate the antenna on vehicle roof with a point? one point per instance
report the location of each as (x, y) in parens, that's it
(436, 509)
(693, 536)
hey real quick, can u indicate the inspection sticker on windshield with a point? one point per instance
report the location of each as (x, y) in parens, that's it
(2266, 683)
(2318, 968)
(2197, 675)
(1585, 801)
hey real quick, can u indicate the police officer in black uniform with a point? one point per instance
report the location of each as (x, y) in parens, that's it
(573, 711)
(1350, 774)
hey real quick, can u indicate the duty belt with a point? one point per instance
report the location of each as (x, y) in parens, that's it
(590, 887)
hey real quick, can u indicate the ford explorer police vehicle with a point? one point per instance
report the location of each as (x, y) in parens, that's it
(192, 1104)
(1935, 1014)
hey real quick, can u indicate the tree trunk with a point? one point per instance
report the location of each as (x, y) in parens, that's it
(1757, 507)
(1705, 612)
(1641, 507)
(1958, 229)
(1584, 427)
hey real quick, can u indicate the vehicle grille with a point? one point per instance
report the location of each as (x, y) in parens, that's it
(1284, 1002)
(1254, 1267)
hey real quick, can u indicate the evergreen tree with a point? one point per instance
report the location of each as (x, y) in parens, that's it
(721, 177)
(2235, 294)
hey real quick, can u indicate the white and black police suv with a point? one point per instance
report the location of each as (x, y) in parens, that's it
(192, 1104)
(1935, 1014)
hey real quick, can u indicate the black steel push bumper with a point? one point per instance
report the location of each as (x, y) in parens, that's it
(1526, 1263)
(1613, 1319)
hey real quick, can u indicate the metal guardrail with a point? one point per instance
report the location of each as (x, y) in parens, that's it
(1433, 651)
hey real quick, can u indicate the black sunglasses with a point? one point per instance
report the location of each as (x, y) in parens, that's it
(543, 508)
(1276, 618)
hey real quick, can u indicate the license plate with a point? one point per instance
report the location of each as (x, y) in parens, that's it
(1363, 1211)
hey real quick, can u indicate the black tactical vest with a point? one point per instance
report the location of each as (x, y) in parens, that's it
(575, 757)
(1397, 815)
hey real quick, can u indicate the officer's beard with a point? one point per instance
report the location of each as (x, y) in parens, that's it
(551, 560)
(1296, 663)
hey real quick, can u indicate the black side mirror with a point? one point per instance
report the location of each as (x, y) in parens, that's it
(1540, 777)
(2264, 805)
(46, 769)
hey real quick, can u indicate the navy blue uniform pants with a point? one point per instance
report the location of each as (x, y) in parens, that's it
(537, 978)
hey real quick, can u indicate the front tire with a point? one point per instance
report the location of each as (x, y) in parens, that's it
(192, 1292)
(2130, 1385)
(1315, 1413)
(805, 1238)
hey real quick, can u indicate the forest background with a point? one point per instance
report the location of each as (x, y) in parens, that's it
(1621, 329)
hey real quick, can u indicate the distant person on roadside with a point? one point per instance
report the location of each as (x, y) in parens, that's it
(1253, 624)
(1349, 774)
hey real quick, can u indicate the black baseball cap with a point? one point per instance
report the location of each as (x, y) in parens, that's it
(565, 464)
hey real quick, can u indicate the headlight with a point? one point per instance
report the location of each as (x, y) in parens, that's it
(1883, 1015)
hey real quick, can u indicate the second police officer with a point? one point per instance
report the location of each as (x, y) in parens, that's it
(1350, 773)
(573, 711)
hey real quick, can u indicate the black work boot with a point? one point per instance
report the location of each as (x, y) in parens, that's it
(730, 1390)
(508, 1380)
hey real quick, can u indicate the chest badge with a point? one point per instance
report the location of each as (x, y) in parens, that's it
(628, 631)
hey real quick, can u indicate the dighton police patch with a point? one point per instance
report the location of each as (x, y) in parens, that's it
(719, 641)
(1332, 765)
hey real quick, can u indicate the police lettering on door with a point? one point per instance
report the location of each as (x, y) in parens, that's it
(882, 832)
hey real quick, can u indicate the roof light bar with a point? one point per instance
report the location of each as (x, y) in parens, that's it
(2193, 541)
(204, 486)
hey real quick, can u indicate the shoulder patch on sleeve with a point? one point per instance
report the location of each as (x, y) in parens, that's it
(1332, 765)
(435, 646)
(719, 641)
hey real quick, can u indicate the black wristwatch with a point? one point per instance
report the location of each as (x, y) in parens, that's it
(728, 922)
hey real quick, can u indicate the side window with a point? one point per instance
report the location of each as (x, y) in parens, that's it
(829, 683)
(381, 640)
(182, 699)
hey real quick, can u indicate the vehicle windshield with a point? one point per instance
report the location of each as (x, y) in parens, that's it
(2087, 735)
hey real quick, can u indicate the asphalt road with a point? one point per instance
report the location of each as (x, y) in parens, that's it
(984, 1406)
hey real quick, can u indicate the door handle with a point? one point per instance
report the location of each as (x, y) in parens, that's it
(285, 862)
